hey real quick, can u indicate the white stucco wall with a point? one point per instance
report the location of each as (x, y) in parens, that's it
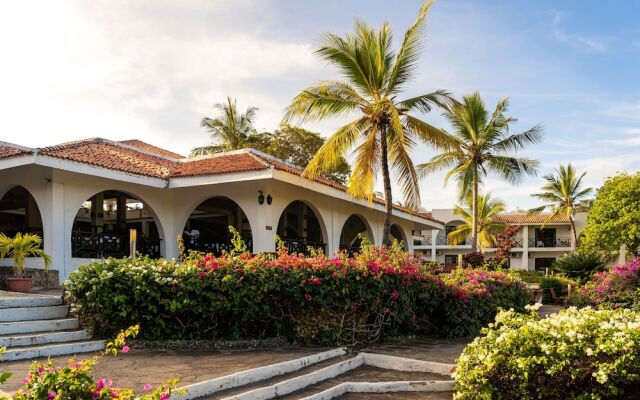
(59, 194)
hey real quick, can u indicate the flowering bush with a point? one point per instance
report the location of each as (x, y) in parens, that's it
(575, 354)
(479, 294)
(339, 300)
(615, 288)
(75, 381)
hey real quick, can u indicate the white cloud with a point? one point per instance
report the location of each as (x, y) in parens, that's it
(624, 110)
(595, 45)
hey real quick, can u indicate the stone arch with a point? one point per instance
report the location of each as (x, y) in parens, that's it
(350, 240)
(19, 212)
(104, 222)
(398, 234)
(207, 226)
(301, 226)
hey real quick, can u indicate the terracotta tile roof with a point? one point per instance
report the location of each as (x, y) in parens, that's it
(523, 218)
(135, 157)
(7, 151)
(107, 154)
(219, 164)
(150, 148)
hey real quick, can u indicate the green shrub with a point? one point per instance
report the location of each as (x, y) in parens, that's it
(615, 288)
(527, 276)
(575, 354)
(580, 265)
(340, 300)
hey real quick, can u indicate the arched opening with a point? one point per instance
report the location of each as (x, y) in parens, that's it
(351, 236)
(19, 213)
(107, 225)
(443, 236)
(299, 228)
(397, 234)
(207, 228)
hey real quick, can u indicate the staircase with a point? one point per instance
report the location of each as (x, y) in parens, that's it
(36, 326)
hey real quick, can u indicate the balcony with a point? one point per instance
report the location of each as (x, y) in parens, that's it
(442, 241)
(558, 242)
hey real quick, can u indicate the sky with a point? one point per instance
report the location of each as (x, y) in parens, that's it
(151, 70)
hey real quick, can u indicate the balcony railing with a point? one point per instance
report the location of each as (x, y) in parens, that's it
(351, 250)
(442, 241)
(213, 246)
(559, 242)
(295, 246)
(104, 245)
(424, 241)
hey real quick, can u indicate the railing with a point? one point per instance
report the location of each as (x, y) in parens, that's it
(295, 246)
(559, 242)
(442, 241)
(351, 250)
(216, 246)
(104, 245)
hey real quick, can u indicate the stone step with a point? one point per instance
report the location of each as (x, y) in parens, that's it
(48, 325)
(41, 338)
(50, 350)
(30, 300)
(33, 313)
(228, 385)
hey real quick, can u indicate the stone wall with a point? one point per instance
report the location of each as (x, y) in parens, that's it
(41, 279)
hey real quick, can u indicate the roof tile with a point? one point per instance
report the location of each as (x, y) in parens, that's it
(524, 218)
(7, 151)
(219, 164)
(151, 148)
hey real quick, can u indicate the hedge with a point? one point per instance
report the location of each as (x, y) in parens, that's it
(381, 292)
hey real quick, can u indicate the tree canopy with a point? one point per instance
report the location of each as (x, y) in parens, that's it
(614, 218)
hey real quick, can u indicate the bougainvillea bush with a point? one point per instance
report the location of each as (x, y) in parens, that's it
(326, 300)
(615, 288)
(575, 354)
(75, 380)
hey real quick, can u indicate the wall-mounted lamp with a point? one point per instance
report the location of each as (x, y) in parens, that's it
(260, 197)
(269, 199)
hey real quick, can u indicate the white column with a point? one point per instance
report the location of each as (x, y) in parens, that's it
(264, 228)
(434, 235)
(525, 247)
(57, 238)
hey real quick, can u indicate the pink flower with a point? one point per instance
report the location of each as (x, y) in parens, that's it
(308, 297)
(165, 396)
(202, 275)
(386, 310)
(125, 349)
(51, 395)
(395, 295)
(146, 387)
(27, 379)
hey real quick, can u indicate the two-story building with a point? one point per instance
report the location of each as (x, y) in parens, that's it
(536, 247)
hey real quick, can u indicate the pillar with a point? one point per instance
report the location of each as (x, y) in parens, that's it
(525, 247)
(57, 238)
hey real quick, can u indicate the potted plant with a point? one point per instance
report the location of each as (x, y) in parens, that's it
(18, 249)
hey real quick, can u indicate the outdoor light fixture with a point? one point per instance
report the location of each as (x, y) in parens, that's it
(269, 199)
(260, 197)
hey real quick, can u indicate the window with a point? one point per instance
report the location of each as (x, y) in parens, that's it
(545, 237)
(545, 262)
(451, 259)
(449, 228)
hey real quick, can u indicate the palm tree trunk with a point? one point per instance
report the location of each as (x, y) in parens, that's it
(573, 229)
(386, 237)
(474, 215)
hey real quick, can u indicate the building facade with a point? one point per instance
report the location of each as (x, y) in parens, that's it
(538, 244)
(97, 198)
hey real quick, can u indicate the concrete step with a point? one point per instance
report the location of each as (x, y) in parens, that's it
(33, 313)
(41, 338)
(10, 328)
(30, 300)
(50, 350)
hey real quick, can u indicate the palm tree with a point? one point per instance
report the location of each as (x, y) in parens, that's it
(488, 227)
(231, 130)
(20, 247)
(479, 145)
(563, 194)
(385, 131)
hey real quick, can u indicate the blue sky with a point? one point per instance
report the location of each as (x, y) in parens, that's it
(151, 70)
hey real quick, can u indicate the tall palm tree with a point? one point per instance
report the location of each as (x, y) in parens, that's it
(488, 227)
(231, 130)
(385, 131)
(480, 144)
(563, 194)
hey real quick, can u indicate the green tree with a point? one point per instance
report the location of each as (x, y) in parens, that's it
(580, 265)
(479, 145)
(298, 146)
(563, 194)
(230, 130)
(385, 131)
(614, 218)
(487, 225)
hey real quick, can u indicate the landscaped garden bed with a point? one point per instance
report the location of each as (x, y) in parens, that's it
(618, 287)
(317, 300)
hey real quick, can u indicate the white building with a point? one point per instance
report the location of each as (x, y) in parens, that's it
(86, 197)
(536, 248)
